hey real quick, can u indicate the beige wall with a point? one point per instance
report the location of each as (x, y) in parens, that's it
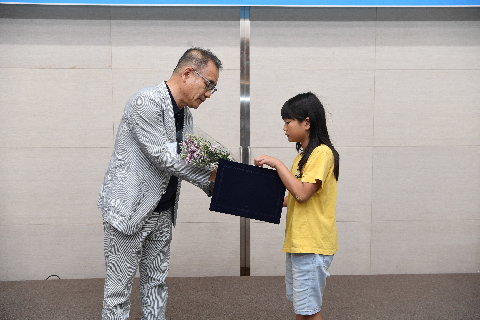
(400, 87)
(401, 90)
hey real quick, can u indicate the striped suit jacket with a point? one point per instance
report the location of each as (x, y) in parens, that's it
(143, 160)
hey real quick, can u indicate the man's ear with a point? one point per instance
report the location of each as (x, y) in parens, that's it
(186, 72)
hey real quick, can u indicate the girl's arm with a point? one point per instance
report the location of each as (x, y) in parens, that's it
(302, 191)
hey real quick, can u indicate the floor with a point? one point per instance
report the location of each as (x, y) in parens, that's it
(435, 296)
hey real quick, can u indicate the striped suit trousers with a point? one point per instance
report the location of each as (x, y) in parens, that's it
(148, 250)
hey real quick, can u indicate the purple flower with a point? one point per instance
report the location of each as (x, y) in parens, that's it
(200, 152)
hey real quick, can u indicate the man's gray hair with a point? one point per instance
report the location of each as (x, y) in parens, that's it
(197, 58)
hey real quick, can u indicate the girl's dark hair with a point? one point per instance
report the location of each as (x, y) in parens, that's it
(307, 105)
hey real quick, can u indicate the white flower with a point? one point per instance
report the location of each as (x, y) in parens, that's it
(200, 152)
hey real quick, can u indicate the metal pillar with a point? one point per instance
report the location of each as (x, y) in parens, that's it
(245, 128)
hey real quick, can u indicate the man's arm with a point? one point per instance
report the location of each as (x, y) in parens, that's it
(148, 127)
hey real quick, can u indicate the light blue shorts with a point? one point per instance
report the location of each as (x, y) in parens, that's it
(305, 280)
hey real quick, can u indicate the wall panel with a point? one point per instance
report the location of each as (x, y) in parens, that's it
(55, 43)
(412, 247)
(51, 186)
(294, 39)
(426, 183)
(427, 107)
(55, 108)
(36, 251)
(428, 38)
(205, 249)
(348, 97)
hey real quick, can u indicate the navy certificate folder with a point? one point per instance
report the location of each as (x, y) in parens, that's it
(248, 191)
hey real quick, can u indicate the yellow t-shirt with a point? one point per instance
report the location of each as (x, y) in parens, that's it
(311, 226)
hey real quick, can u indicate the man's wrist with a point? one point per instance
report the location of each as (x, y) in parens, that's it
(210, 188)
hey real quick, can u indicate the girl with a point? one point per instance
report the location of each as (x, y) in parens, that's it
(311, 233)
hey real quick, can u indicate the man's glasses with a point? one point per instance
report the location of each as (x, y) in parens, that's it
(210, 85)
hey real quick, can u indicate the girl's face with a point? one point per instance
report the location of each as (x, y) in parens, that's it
(297, 131)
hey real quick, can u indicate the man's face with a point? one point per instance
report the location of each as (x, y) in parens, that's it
(197, 91)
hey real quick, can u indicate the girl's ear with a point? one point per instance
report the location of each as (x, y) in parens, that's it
(307, 123)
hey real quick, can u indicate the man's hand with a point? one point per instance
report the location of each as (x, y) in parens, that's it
(213, 175)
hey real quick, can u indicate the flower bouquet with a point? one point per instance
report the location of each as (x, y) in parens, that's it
(201, 150)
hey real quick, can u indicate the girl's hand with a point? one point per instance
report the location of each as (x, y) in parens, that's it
(264, 159)
(302, 191)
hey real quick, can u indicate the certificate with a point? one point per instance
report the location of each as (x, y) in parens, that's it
(248, 191)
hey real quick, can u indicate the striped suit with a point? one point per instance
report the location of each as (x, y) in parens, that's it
(143, 160)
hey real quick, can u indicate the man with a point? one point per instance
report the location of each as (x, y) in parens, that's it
(139, 195)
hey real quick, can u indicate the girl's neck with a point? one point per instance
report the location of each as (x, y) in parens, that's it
(305, 142)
